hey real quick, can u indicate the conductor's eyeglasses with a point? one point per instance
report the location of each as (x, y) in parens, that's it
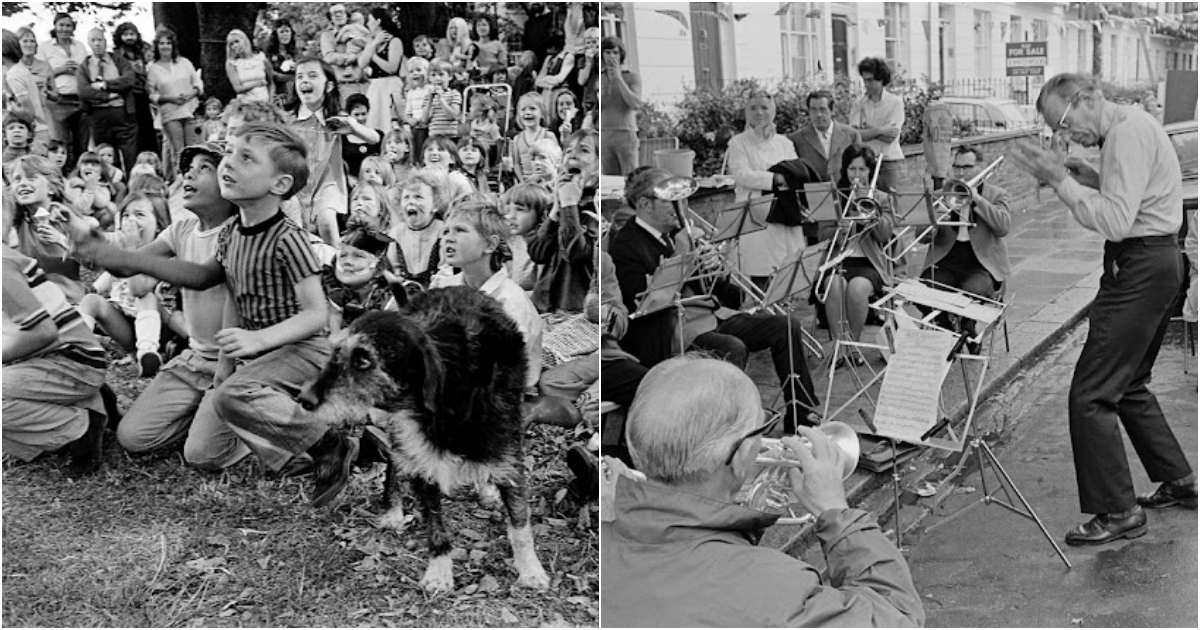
(766, 427)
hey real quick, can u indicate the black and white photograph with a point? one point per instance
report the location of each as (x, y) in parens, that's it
(900, 320)
(301, 314)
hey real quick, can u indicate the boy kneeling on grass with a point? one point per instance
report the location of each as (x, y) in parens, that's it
(273, 338)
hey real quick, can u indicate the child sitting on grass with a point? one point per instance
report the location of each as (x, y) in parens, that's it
(397, 151)
(475, 240)
(525, 207)
(355, 283)
(213, 129)
(273, 340)
(529, 118)
(473, 164)
(126, 309)
(91, 192)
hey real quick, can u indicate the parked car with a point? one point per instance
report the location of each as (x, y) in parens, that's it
(988, 114)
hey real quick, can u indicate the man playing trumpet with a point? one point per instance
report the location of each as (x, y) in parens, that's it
(1136, 202)
(971, 258)
(681, 552)
(709, 322)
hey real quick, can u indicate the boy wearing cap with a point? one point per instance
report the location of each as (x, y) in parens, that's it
(163, 414)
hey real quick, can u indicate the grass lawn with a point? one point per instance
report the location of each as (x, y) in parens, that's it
(150, 542)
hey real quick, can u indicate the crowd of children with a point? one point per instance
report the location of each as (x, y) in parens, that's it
(283, 224)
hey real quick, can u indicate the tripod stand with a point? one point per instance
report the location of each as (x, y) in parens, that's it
(986, 457)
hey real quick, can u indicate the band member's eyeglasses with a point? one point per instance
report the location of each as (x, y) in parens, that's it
(766, 427)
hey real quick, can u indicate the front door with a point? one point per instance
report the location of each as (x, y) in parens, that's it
(840, 66)
(706, 45)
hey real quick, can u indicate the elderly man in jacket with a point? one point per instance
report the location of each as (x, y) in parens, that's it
(681, 552)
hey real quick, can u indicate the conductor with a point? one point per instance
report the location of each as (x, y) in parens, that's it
(1136, 202)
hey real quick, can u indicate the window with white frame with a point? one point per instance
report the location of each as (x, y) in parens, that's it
(1040, 30)
(800, 40)
(983, 44)
(895, 33)
(1014, 29)
(612, 21)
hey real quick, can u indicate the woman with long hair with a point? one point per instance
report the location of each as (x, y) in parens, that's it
(380, 62)
(248, 70)
(31, 93)
(173, 86)
(282, 53)
(493, 53)
(127, 42)
(865, 271)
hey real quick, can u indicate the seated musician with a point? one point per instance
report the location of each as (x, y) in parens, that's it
(681, 553)
(865, 271)
(637, 250)
(973, 259)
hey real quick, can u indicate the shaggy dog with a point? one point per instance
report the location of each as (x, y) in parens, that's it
(448, 372)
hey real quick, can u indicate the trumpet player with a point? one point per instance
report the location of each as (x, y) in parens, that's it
(709, 323)
(681, 552)
(865, 271)
(1136, 202)
(972, 258)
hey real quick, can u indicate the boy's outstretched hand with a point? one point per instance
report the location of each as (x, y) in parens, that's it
(237, 343)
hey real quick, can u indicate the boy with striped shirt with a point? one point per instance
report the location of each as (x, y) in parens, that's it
(273, 338)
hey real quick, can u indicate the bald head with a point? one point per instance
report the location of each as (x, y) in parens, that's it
(687, 414)
(97, 41)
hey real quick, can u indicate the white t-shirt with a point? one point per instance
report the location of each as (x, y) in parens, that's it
(518, 306)
(888, 112)
(203, 309)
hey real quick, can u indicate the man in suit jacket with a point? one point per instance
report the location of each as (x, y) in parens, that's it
(973, 258)
(822, 141)
(637, 251)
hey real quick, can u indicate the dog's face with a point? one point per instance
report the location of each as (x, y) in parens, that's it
(381, 361)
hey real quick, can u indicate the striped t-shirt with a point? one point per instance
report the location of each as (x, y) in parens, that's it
(441, 123)
(263, 263)
(75, 339)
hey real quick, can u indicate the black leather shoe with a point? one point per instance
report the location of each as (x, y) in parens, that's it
(586, 467)
(1169, 494)
(1106, 528)
(333, 455)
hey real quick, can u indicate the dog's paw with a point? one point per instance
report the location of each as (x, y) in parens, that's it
(489, 495)
(394, 519)
(533, 577)
(439, 576)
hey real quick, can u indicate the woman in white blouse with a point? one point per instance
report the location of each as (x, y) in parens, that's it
(750, 154)
(249, 71)
(174, 86)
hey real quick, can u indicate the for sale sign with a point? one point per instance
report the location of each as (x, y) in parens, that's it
(1025, 59)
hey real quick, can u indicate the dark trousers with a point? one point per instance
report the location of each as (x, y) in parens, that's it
(1126, 327)
(621, 378)
(736, 337)
(114, 126)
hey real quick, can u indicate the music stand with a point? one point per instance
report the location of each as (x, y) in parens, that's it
(790, 279)
(941, 297)
(663, 289)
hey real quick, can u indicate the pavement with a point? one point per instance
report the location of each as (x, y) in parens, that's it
(1056, 270)
(988, 567)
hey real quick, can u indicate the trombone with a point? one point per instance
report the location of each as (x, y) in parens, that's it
(955, 195)
(866, 210)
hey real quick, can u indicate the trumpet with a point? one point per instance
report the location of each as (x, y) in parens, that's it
(955, 196)
(770, 490)
(866, 208)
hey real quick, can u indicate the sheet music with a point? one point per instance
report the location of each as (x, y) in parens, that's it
(912, 385)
